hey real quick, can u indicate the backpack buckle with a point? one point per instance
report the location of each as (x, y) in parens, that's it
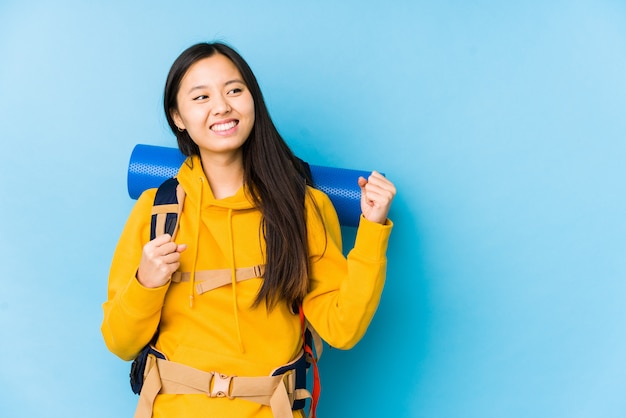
(221, 386)
(258, 272)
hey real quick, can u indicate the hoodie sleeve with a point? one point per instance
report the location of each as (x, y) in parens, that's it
(344, 292)
(132, 312)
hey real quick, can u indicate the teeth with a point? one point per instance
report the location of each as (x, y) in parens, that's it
(224, 126)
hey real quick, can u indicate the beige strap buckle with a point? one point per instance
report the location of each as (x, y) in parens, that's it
(258, 271)
(221, 386)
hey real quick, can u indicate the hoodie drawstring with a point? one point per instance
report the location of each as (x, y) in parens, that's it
(192, 278)
(233, 276)
(233, 267)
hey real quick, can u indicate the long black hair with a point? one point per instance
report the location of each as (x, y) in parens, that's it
(275, 178)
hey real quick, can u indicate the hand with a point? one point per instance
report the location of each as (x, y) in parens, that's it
(159, 260)
(376, 195)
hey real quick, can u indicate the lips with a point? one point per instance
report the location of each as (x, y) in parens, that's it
(224, 126)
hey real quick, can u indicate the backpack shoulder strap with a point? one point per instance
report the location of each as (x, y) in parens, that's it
(168, 205)
(166, 210)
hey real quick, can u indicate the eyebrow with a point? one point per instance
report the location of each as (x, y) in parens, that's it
(203, 86)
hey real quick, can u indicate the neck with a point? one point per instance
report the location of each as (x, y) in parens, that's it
(225, 174)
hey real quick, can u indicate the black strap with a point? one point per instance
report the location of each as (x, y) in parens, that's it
(165, 195)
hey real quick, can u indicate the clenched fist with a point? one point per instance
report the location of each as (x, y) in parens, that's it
(376, 195)
(159, 260)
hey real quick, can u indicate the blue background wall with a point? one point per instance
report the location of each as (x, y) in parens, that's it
(502, 125)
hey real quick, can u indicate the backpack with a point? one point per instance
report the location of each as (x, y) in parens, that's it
(166, 210)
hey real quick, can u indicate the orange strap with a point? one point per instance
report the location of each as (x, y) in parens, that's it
(317, 388)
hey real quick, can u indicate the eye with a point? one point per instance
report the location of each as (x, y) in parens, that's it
(236, 90)
(201, 97)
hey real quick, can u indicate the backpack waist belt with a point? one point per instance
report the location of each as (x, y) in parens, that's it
(167, 377)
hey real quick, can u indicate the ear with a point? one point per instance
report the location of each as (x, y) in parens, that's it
(177, 119)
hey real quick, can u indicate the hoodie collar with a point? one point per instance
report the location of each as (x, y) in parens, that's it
(192, 178)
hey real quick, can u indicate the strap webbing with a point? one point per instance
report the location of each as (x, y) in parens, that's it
(212, 279)
(149, 391)
(167, 208)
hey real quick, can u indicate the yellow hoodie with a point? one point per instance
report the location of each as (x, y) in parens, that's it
(219, 330)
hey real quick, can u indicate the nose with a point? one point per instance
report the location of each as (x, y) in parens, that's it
(220, 105)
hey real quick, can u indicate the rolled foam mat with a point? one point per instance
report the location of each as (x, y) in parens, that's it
(151, 165)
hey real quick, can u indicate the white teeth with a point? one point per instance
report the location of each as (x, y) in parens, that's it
(224, 126)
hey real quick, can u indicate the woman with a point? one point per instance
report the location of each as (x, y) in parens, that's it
(249, 215)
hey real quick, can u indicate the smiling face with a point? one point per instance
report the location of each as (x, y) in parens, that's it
(215, 106)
